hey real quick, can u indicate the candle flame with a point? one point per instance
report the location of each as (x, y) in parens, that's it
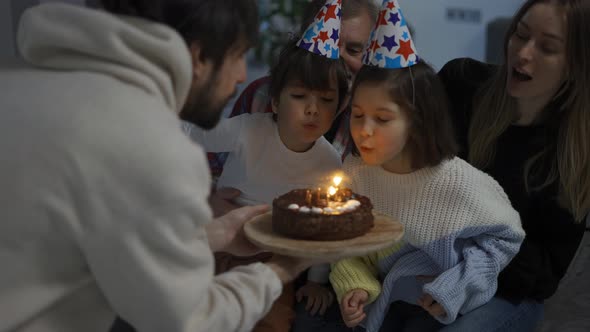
(337, 180)
(332, 191)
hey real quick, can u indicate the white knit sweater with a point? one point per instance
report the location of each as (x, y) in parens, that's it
(459, 226)
(103, 199)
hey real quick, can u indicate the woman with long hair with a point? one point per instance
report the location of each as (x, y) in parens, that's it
(526, 123)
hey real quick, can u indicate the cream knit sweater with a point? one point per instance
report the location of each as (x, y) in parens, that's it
(459, 226)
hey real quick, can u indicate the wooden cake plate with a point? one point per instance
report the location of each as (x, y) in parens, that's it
(384, 234)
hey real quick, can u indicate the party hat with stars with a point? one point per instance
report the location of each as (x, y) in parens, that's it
(391, 45)
(323, 35)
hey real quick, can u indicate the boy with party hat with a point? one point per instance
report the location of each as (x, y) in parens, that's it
(273, 153)
(460, 228)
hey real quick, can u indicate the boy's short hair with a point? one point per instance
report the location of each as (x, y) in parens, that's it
(420, 93)
(314, 71)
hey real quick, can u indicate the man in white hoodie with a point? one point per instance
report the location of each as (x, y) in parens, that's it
(103, 199)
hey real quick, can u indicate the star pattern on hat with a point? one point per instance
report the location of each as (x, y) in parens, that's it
(393, 62)
(381, 18)
(331, 12)
(375, 46)
(405, 49)
(309, 34)
(391, 44)
(394, 18)
(319, 26)
(328, 48)
(323, 35)
(305, 45)
(320, 15)
(335, 34)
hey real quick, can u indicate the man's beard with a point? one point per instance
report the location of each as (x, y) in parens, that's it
(202, 109)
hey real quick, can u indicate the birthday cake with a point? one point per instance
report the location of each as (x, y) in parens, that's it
(315, 215)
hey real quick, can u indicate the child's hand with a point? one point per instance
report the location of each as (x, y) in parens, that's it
(319, 298)
(352, 307)
(429, 304)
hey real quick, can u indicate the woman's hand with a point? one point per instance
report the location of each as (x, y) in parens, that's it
(352, 307)
(319, 298)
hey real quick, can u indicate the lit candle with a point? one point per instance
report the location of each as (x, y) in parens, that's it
(308, 198)
(337, 180)
(318, 196)
(331, 192)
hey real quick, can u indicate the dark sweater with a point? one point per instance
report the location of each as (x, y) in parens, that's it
(552, 236)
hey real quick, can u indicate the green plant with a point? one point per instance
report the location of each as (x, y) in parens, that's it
(279, 20)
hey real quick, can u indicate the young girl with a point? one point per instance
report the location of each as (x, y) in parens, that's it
(459, 224)
(273, 153)
(460, 229)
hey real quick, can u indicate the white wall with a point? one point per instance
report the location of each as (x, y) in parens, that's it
(439, 40)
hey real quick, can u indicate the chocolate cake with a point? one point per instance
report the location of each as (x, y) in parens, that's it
(311, 215)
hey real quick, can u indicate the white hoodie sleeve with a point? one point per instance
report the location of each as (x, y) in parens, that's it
(131, 186)
(144, 240)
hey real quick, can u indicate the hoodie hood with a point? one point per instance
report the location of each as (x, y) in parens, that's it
(149, 55)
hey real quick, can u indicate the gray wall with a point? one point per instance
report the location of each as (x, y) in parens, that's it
(10, 12)
(448, 29)
(6, 31)
(444, 29)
